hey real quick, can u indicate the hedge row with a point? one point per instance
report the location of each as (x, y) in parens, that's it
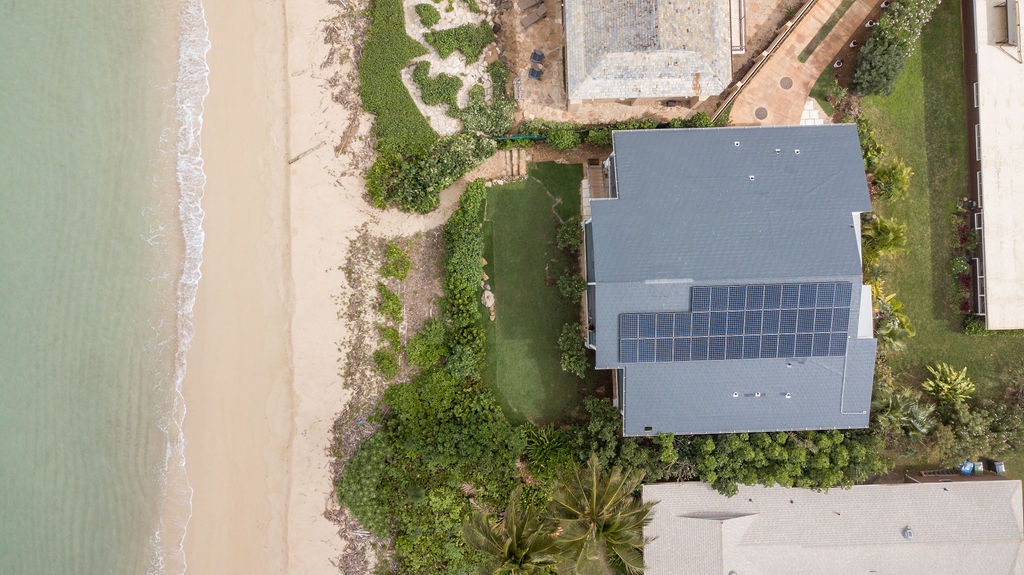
(463, 263)
(566, 135)
(884, 53)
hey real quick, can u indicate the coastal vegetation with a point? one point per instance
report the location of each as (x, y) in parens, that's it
(429, 16)
(469, 39)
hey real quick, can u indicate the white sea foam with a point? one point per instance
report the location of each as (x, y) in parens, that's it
(191, 89)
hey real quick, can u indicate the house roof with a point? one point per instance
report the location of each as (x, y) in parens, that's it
(1001, 113)
(733, 207)
(647, 48)
(956, 528)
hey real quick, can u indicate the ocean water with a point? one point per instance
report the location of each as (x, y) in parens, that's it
(100, 247)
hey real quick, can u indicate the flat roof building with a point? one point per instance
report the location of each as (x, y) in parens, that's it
(724, 280)
(995, 109)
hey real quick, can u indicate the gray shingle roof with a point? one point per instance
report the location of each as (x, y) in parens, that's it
(647, 48)
(689, 214)
(957, 528)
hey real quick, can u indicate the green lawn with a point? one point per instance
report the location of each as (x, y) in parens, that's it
(923, 123)
(523, 264)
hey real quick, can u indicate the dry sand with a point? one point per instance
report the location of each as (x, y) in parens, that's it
(263, 388)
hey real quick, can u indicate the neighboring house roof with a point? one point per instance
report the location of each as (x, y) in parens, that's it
(1001, 180)
(954, 528)
(647, 48)
(698, 209)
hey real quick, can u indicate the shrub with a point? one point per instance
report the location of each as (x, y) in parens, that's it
(493, 119)
(563, 138)
(428, 346)
(463, 262)
(400, 127)
(887, 48)
(893, 180)
(974, 325)
(570, 235)
(892, 325)
(948, 386)
(574, 356)
(870, 149)
(572, 286)
(437, 90)
(959, 266)
(396, 262)
(390, 305)
(413, 183)
(882, 236)
(429, 16)
(386, 360)
(599, 136)
(469, 39)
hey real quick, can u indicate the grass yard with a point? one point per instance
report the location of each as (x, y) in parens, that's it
(923, 123)
(523, 264)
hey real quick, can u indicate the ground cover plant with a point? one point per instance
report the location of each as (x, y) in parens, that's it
(400, 127)
(429, 16)
(469, 39)
(923, 122)
(435, 90)
(494, 118)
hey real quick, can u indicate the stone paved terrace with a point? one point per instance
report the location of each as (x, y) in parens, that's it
(778, 93)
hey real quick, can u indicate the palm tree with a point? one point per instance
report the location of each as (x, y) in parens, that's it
(892, 325)
(521, 543)
(901, 408)
(881, 236)
(600, 520)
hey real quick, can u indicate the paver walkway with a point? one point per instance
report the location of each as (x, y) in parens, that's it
(778, 92)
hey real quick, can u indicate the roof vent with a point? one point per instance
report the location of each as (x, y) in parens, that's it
(797, 151)
(778, 151)
(789, 395)
(735, 394)
(758, 394)
(751, 176)
(908, 533)
(736, 143)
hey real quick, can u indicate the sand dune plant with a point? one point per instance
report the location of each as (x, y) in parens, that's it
(947, 385)
(429, 16)
(469, 39)
(442, 89)
(600, 519)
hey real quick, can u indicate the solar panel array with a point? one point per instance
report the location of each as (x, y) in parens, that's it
(758, 321)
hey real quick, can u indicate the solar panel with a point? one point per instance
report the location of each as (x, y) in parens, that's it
(716, 348)
(840, 319)
(699, 348)
(735, 323)
(645, 352)
(822, 320)
(719, 298)
(665, 324)
(826, 294)
(786, 344)
(751, 347)
(719, 321)
(787, 321)
(737, 297)
(821, 345)
(628, 325)
(790, 296)
(700, 323)
(804, 345)
(808, 295)
(772, 296)
(752, 322)
(755, 296)
(769, 346)
(681, 351)
(682, 324)
(700, 299)
(663, 349)
(838, 346)
(734, 347)
(805, 321)
(843, 294)
(627, 350)
(770, 321)
(647, 325)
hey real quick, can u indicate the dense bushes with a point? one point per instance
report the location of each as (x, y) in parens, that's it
(566, 135)
(400, 127)
(436, 90)
(414, 182)
(390, 306)
(396, 262)
(892, 180)
(870, 148)
(463, 262)
(887, 48)
(570, 235)
(429, 16)
(574, 355)
(469, 39)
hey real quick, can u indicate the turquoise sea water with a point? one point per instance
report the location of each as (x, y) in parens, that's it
(100, 243)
